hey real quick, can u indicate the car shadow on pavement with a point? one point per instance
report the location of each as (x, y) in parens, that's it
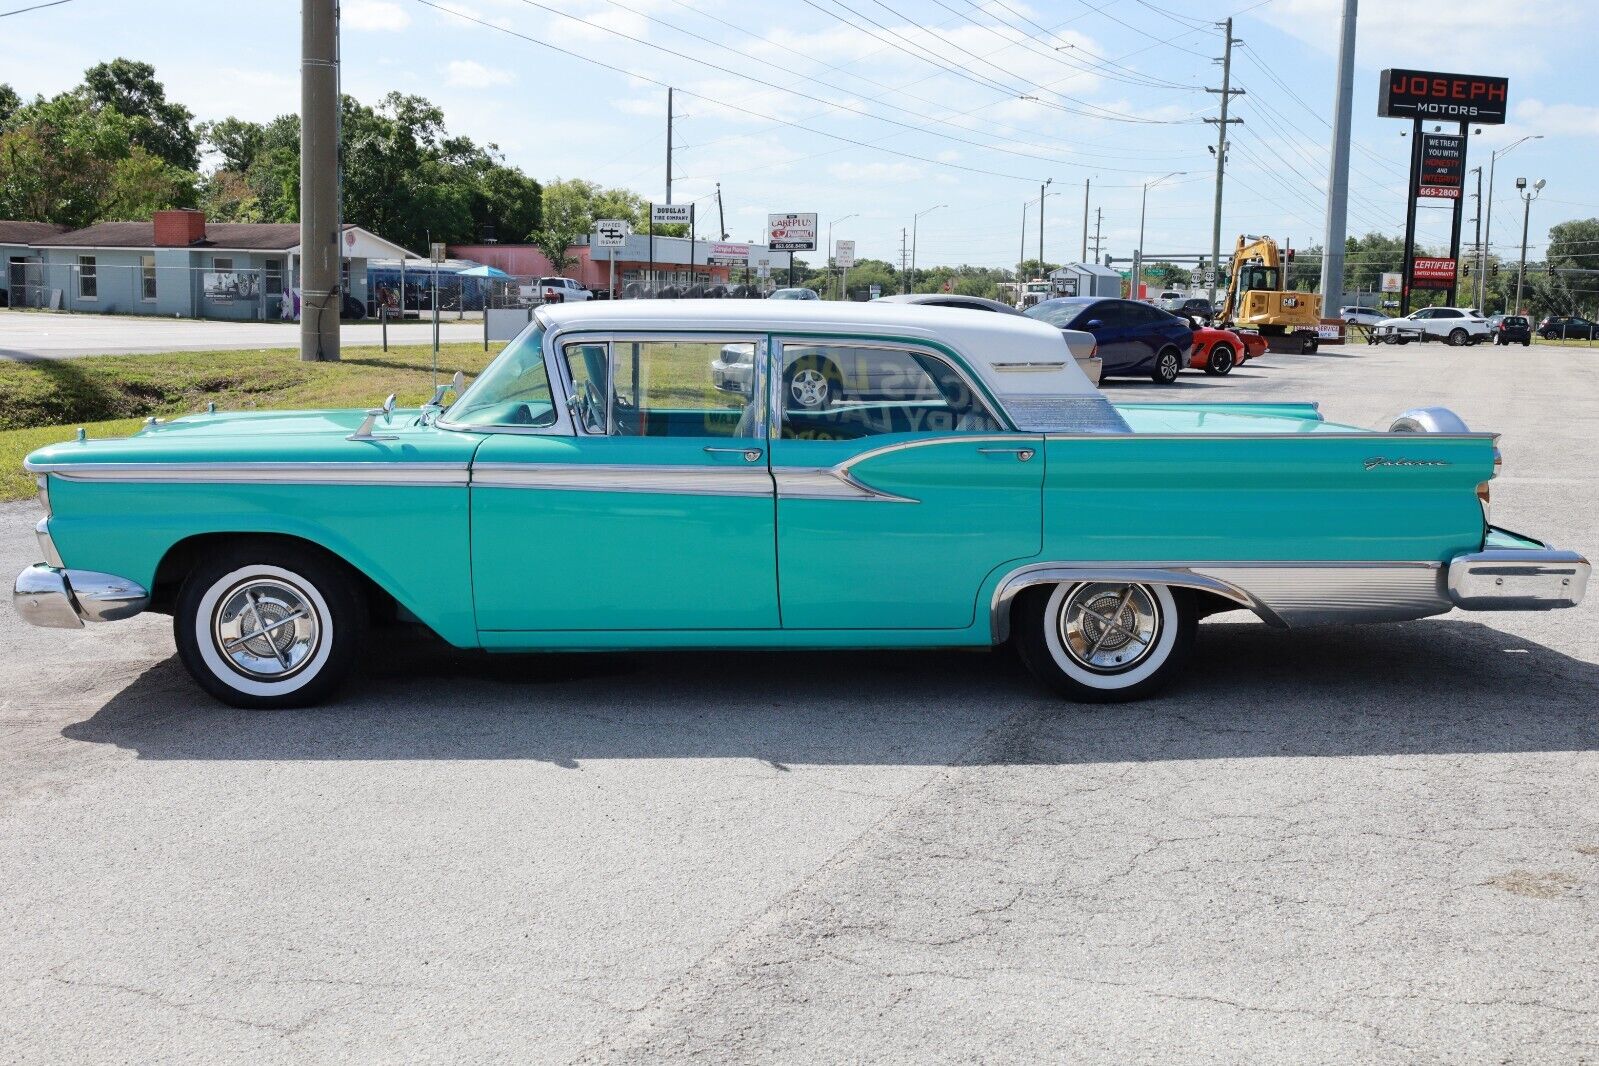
(1430, 687)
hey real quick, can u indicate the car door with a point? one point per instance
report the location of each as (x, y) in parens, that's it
(646, 504)
(1114, 330)
(891, 513)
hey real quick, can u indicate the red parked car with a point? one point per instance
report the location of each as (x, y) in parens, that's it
(1217, 351)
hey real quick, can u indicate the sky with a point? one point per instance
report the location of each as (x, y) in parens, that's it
(870, 112)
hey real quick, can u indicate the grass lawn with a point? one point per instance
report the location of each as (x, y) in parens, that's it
(45, 401)
(1569, 342)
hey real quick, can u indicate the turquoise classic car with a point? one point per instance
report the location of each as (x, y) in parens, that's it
(594, 489)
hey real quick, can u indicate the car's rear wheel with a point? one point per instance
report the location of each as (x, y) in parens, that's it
(1104, 642)
(1221, 361)
(1458, 337)
(265, 624)
(1168, 364)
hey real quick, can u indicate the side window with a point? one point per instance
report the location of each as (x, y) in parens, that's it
(841, 392)
(587, 365)
(1446, 313)
(1113, 315)
(666, 388)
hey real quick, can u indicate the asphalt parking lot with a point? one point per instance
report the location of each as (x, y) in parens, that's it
(38, 335)
(1341, 845)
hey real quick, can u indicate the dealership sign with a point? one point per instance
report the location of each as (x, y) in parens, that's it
(1431, 273)
(1393, 282)
(791, 232)
(1443, 165)
(1426, 94)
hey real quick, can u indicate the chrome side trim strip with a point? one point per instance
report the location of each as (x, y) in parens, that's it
(581, 477)
(828, 483)
(1375, 434)
(1518, 579)
(1284, 594)
(413, 474)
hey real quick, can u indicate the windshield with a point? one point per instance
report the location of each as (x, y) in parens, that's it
(1058, 312)
(513, 391)
(792, 294)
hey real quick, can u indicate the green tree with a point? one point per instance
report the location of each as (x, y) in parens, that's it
(57, 161)
(144, 183)
(10, 103)
(159, 126)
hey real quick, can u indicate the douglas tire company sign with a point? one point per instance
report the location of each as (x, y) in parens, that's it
(1426, 94)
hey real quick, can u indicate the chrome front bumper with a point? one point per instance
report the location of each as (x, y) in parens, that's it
(55, 598)
(1517, 579)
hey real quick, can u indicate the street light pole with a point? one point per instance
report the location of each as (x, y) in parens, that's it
(910, 282)
(1526, 213)
(1488, 223)
(1021, 256)
(1138, 254)
(1047, 183)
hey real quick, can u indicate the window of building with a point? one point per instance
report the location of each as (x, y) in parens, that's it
(88, 279)
(221, 263)
(274, 277)
(147, 277)
(841, 392)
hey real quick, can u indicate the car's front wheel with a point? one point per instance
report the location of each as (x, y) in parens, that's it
(1104, 641)
(1168, 364)
(1221, 361)
(264, 624)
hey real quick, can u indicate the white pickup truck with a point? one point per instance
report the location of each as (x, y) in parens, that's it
(1457, 325)
(554, 291)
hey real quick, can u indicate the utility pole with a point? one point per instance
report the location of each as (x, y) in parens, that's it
(1083, 255)
(721, 218)
(1047, 183)
(902, 259)
(1332, 245)
(319, 181)
(1227, 93)
(1476, 247)
(1098, 215)
(668, 144)
(1021, 255)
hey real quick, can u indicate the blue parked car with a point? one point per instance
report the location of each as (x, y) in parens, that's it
(1134, 338)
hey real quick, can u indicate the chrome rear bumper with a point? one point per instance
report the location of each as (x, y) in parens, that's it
(1517, 579)
(65, 599)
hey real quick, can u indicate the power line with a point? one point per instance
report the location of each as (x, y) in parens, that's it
(35, 7)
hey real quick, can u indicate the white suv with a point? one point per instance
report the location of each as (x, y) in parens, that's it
(1457, 325)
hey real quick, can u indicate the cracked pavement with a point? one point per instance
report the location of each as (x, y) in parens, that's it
(1341, 845)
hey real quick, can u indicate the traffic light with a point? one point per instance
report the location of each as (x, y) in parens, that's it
(1465, 271)
(1495, 269)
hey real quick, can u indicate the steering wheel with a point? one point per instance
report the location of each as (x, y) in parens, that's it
(591, 408)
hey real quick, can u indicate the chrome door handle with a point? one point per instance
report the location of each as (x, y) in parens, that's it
(751, 455)
(1022, 454)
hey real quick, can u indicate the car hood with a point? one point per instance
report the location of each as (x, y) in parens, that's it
(316, 436)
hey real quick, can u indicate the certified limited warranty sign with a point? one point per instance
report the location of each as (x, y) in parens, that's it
(1377, 460)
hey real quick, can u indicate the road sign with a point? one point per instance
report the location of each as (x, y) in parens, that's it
(844, 254)
(763, 268)
(671, 213)
(875, 290)
(791, 232)
(610, 233)
(1210, 276)
(436, 252)
(1394, 282)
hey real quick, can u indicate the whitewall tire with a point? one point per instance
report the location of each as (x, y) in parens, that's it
(265, 625)
(1100, 642)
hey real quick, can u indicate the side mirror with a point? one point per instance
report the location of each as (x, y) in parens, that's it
(1093, 323)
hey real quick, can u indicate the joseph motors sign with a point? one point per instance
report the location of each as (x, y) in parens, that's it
(1428, 94)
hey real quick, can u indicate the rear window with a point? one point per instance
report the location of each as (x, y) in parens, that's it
(1058, 312)
(552, 281)
(1515, 320)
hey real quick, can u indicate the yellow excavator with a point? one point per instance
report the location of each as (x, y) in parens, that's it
(1256, 299)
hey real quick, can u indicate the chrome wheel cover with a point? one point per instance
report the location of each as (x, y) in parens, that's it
(266, 628)
(1109, 628)
(809, 387)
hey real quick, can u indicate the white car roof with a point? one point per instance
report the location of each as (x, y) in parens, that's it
(1017, 357)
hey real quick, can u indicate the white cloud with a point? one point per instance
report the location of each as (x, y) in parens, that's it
(470, 74)
(1574, 120)
(1451, 35)
(373, 15)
